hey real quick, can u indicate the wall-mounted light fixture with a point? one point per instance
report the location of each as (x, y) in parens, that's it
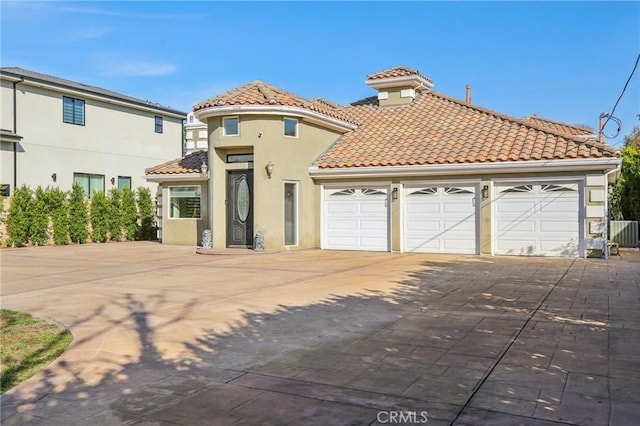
(485, 192)
(54, 177)
(113, 181)
(394, 194)
(269, 169)
(259, 134)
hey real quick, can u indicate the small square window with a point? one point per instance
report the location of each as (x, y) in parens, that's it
(72, 110)
(158, 124)
(184, 202)
(230, 126)
(291, 127)
(124, 182)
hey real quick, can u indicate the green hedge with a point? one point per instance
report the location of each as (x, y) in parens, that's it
(51, 215)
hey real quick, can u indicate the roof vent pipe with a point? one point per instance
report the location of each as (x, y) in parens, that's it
(467, 97)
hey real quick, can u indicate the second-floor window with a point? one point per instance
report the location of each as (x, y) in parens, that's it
(158, 124)
(230, 126)
(73, 110)
(291, 127)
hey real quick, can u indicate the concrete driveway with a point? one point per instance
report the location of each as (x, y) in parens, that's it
(167, 336)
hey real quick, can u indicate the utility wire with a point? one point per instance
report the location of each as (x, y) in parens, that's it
(610, 115)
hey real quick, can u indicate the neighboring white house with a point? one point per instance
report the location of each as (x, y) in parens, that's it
(57, 131)
(196, 135)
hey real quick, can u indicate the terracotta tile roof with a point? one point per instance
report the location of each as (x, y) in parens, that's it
(437, 129)
(261, 93)
(557, 126)
(399, 71)
(190, 163)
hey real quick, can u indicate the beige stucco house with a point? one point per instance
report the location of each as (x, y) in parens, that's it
(406, 170)
(57, 131)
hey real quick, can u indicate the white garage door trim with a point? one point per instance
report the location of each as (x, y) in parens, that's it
(441, 218)
(356, 217)
(544, 217)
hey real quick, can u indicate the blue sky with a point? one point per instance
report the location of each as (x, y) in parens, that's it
(566, 61)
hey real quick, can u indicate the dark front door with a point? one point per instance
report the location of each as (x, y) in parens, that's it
(240, 208)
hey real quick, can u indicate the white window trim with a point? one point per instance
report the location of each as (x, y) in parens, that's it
(297, 127)
(224, 130)
(297, 214)
(168, 209)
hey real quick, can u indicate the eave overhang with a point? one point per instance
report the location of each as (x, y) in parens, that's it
(534, 166)
(290, 111)
(9, 137)
(176, 177)
(414, 81)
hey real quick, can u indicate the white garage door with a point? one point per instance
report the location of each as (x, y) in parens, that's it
(356, 219)
(537, 219)
(440, 219)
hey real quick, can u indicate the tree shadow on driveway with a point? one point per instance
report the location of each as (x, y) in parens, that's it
(445, 333)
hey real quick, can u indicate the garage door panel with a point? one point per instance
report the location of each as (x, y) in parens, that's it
(459, 209)
(341, 224)
(416, 209)
(373, 209)
(369, 225)
(517, 226)
(355, 219)
(566, 229)
(422, 227)
(558, 206)
(342, 208)
(464, 225)
(442, 220)
(514, 206)
(559, 247)
(424, 245)
(536, 219)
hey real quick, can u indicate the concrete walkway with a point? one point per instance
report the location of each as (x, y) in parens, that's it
(166, 336)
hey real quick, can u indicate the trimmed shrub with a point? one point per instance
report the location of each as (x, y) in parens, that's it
(39, 227)
(99, 217)
(147, 214)
(57, 201)
(115, 214)
(78, 215)
(18, 219)
(129, 214)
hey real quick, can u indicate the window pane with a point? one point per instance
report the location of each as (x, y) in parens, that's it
(230, 126)
(290, 127)
(158, 124)
(184, 202)
(96, 183)
(239, 158)
(290, 214)
(67, 110)
(82, 180)
(124, 182)
(78, 111)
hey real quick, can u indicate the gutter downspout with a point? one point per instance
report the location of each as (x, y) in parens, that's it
(15, 130)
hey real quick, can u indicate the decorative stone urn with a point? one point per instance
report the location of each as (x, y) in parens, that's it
(206, 239)
(258, 243)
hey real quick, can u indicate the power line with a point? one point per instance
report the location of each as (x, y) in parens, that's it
(610, 115)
